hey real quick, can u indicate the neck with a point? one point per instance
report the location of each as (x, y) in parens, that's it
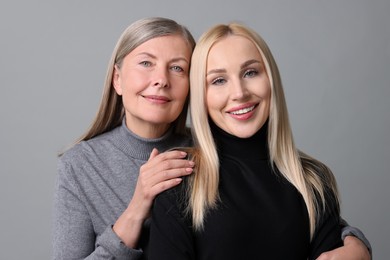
(255, 146)
(139, 147)
(146, 129)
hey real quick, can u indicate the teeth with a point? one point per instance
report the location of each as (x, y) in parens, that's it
(243, 111)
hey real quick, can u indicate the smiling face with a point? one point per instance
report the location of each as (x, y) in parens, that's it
(238, 93)
(153, 82)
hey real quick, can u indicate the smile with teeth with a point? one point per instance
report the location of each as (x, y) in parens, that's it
(242, 111)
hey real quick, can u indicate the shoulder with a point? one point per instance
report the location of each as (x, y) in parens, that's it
(70, 163)
(323, 179)
(85, 154)
(175, 195)
(77, 152)
(72, 155)
(318, 170)
(175, 200)
(181, 140)
(85, 148)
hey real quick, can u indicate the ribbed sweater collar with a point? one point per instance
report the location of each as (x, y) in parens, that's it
(255, 147)
(138, 147)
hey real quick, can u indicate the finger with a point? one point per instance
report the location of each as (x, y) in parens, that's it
(329, 255)
(165, 185)
(153, 154)
(174, 164)
(172, 168)
(160, 161)
(169, 170)
(151, 172)
(176, 154)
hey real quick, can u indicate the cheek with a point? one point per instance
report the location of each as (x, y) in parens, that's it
(182, 89)
(213, 99)
(135, 80)
(267, 103)
(209, 102)
(265, 91)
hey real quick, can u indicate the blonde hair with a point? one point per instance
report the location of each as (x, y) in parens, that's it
(111, 111)
(304, 172)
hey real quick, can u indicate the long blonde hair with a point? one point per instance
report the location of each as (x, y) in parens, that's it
(308, 175)
(111, 111)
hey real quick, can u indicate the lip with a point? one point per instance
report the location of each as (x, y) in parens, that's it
(243, 106)
(156, 99)
(243, 112)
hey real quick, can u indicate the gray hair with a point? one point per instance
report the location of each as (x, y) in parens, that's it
(111, 112)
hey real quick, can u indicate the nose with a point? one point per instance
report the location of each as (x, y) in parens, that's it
(160, 78)
(238, 90)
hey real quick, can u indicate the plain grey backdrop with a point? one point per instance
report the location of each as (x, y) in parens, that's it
(334, 58)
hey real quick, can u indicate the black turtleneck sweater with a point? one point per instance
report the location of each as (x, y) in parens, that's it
(260, 215)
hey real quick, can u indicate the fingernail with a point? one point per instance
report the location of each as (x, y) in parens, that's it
(189, 170)
(191, 163)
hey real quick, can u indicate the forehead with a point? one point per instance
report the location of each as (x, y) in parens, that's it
(165, 45)
(232, 48)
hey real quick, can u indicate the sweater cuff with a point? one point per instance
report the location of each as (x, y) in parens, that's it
(112, 243)
(354, 231)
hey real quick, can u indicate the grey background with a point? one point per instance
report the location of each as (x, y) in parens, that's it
(334, 58)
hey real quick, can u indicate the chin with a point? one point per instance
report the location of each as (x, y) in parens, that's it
(243, 134)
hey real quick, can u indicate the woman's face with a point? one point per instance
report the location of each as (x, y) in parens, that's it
(153, 82)
(238, 90)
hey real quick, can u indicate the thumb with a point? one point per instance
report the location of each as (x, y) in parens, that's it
(153, 154)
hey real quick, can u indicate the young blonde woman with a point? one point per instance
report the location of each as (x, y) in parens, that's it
(253, 195)
(108, 180)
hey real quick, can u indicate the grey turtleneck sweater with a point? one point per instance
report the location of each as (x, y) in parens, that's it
(96, 181)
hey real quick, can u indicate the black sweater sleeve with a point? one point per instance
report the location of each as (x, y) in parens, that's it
(327, 235)
(170, 232)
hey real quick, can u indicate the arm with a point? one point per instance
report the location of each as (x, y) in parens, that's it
(327, 235)
(74, 236)
(353, 249)
(354, 232)
(161, 172)
(171, 236)
(356, 245)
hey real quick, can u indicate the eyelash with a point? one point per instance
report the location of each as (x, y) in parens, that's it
(177, 68)
(174, 68)
(248, 73)
(218, 81)
(145, 63)
(253, 73)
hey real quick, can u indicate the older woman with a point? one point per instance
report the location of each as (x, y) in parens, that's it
(108, 180)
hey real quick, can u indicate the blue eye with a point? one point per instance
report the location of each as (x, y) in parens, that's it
(145, 63)
(218, 81)
(251, 73)
(177, 69)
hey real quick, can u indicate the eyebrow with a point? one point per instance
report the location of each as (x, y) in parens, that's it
(244, 65)
(215, 71)
(249, 62)
(155, 57)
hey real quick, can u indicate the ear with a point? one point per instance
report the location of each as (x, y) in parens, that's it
(116, 80)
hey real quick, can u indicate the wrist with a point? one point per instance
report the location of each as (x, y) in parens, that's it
(128, 228)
